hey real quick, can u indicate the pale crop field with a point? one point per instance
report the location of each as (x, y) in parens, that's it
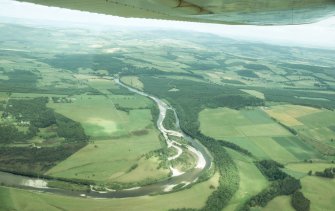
(133, 81)
(289, 114)
(317, 124)
(255, 93)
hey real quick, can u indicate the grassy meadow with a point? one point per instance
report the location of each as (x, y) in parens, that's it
(195, 197)
(110, 160)
(280, 202)
(105, 120)
(133, 81)
(252, 180)
(320, 191)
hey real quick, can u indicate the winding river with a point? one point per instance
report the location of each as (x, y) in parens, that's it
(185, 178)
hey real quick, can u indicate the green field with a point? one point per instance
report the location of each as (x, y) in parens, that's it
(6, 202)
(256, 131)
(194, 197)
(105, 120)
(300, 170)
(314, 187)
(110, 160)
(254, 93)
(103, 85)
(251, 180)
(320, 191)
(320, 126)
(280, 202)
(133, 81)
(3, 96)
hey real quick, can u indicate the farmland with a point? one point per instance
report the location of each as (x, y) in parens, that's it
(316, 124)
(255, 131)
(247, 103)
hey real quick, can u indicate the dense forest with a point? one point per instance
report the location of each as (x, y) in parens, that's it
(328, 173)
(299, 97)
(33, 111)
(19, 80)
(9, 134)
(69, 129)
(35, 160)
(24, 81)
(34, 115)
(169, 120)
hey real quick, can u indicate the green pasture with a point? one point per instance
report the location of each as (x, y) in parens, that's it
(131, 101)
(252, 180)
(133, 81)
(3, 96)
(279, 203)
(301, 170)
(100, 118)
(320, 191)
(108, 160)
(147, 170)
(194, 197)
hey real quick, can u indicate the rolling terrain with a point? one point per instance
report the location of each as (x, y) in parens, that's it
(264, 113)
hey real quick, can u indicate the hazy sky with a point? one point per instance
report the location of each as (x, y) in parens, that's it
(321, 34)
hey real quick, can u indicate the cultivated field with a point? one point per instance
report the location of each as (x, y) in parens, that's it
(289, 114)
(256, 131)
(318, 125)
